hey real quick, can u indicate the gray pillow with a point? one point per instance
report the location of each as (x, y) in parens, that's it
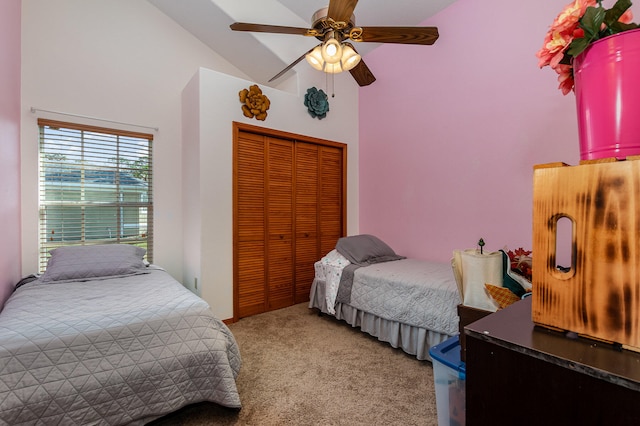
(365, 249)
(81, 263)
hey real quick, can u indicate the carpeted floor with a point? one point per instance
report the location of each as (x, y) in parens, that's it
(302, 369)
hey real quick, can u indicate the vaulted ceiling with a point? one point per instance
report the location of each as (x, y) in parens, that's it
(261, 55)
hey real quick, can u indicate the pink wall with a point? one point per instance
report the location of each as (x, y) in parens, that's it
(449, 133)
(9, 146)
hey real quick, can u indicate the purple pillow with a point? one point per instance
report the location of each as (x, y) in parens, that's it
(82, 263)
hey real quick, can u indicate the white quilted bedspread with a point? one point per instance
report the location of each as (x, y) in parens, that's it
(111, 351)
(410, 291)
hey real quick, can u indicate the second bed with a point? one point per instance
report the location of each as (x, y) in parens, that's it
(409, 303)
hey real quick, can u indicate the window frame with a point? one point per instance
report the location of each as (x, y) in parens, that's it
(94, 198)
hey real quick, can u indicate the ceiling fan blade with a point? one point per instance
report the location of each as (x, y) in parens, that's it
(402, 35)
(261, 28)
(291, 65)
(362, 74)
(341, 10)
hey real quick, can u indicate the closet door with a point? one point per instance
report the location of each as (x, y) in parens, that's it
(331, 200)
(306, 217)
(250, 225)
(280, 237)
(288, 213)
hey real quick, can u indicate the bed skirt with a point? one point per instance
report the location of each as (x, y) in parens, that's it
(411, 339)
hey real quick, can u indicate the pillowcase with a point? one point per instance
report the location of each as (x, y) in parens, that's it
(81, 263)
(365, 249)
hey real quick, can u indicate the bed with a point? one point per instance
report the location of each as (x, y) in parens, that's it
(101, 338)
(409, 303)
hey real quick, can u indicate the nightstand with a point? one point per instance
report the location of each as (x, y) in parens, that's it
(520, 373)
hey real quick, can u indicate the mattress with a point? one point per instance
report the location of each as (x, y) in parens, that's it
(111, 351)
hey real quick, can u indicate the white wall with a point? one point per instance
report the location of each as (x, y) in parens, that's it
(124, 60)
(120, 60)
(208, 144)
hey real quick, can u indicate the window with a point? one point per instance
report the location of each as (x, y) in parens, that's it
(95, 187)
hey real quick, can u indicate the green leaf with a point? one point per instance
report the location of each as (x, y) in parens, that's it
(591, 22)
(618, 9)
(566, 59)
(619, 27)
(577, 46)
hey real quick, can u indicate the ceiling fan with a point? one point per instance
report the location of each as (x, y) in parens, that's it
(335, 27)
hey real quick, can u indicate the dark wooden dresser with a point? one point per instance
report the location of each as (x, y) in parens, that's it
(522, 374)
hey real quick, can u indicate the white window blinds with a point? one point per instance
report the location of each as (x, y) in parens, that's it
(95, 187)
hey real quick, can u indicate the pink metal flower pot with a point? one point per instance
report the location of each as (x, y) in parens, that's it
(607, 89)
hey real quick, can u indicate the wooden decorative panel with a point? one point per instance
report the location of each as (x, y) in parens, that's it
(599, 296)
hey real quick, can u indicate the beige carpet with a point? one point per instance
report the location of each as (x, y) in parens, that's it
(302, 369)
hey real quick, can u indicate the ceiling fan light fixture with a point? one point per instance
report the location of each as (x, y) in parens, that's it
(331, 51)
(314, 58)
(333, 68)
(350, 58)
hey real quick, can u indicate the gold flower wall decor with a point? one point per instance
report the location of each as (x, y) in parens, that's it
(254, 103)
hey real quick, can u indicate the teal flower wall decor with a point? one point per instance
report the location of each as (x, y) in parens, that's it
(316, 102)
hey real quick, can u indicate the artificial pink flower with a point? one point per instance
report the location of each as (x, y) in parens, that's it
(563, 31)
(568, 19)
(565, 78)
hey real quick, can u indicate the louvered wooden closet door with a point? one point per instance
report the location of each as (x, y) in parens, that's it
(307, 241)
(288, 213)
(331, 198)
(280, 223)
(250, 224)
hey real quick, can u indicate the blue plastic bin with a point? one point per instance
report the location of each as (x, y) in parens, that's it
(449, 377)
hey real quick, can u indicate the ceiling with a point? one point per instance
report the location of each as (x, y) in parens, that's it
(261, 56)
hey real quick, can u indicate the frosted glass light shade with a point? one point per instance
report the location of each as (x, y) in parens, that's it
(333, 68)
(331, 51)
(314, 58)
(350, 57)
